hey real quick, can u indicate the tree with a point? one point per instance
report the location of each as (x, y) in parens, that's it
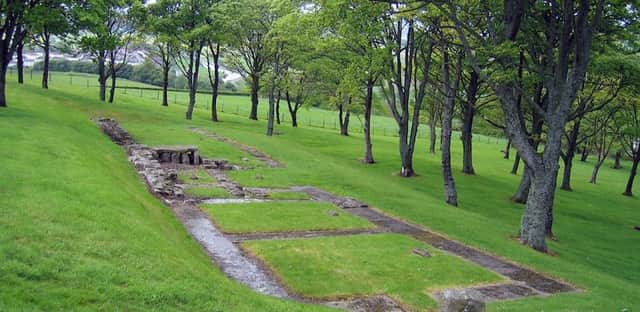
(106, 29)
(12, 34)
(450, 90)
(212, 56)
(608, 75)
(604, 138)
(630, 137)
(357, 27)
(251, 22)
(408, 62)
(189, 22)
(49, 18)
(153, 22)
(563, 34)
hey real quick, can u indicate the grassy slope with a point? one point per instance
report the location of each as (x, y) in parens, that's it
(596, 243)
(78, 231)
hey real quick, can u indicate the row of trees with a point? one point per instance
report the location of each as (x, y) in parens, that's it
(554, 76)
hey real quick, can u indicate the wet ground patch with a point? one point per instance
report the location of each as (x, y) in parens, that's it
(282, 216)
(347, 266)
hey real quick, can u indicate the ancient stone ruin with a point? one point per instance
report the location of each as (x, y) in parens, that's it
(187, 155)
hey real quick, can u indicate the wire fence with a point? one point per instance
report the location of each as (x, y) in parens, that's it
(237, 103)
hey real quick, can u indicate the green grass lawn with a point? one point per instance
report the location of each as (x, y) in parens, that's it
(80, 232)
(335, 267)
(206, 192)
(596, 247)
(282, 217)
(201, 177)
(288, 196)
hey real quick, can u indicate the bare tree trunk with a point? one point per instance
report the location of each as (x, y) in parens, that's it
(112, 91)
(102, 77)
(45, 70)
(20, 62)
(278, 107)
(594, 173)
(3, 83)
(272, 104)
(215, 82)
(293, 111)
(572, 144)
(449, 90)
(523, 189)
(368, 107)
(516, 164)
(432, 135)
(507, 150)
(255, 87)
(193, 78)
(113, 72)
(165, 85)
(585, 153)
(467, 145)
(628, 191)
(343, 118)
(617, 164)
(469, 112)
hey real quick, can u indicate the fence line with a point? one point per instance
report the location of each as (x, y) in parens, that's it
(244, 110)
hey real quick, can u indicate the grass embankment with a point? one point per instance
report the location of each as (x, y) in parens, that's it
(80, 232)
(594, 223)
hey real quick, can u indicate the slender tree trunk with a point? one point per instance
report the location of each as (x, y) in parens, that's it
(255, 87)
(467, 144)
(522, 193)
(112, 91)
(194, 71)
(507, 150)
(450, 91)
(278, 107)
(102, 77)
(216, 84)
(293, 112)
(344, 119)
(45, 70)
(594, 173)
(272, 106)
(628, 191)
(585, 153)
(617, 164)
(368, 107)
(20, 62)
(406, 152)
(432, 135)
(572, 145)
(516, 164)
(113, 72)
(3, 83)
(469, 112)
(165, 85)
